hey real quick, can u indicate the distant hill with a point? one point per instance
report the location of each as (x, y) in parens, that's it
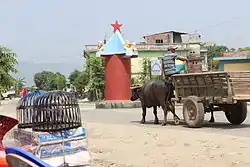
(28, 69)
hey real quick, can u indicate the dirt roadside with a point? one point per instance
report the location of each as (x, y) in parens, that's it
(114, 145)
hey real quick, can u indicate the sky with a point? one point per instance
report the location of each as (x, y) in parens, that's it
(55, 32)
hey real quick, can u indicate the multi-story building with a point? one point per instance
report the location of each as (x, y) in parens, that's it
(156, 45)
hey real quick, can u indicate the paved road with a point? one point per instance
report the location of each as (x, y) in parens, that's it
(132, 116)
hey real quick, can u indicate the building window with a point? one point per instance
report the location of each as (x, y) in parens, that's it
(159, 41)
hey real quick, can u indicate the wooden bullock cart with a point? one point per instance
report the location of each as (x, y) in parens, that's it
(201, 93)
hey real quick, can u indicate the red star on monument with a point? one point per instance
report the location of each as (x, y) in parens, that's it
(116, 26)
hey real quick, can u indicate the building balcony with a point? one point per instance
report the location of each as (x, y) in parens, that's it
(147, 47)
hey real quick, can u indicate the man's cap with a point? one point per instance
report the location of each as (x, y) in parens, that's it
(172, 48)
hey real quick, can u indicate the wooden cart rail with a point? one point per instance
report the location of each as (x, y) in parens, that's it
(216, 87)
(240, 82)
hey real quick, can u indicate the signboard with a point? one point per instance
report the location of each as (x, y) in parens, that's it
(156, 67)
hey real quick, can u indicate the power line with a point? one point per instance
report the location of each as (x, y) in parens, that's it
(219, 23)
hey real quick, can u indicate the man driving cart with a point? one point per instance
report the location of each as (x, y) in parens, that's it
(168, 63)
(169, 68)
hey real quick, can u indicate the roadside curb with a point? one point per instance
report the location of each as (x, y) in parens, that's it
(117, 104)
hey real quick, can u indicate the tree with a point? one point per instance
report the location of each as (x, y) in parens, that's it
(244, 49)
(81, 82)
(60, 81)
(214, 51)
(95, 74)
(43, 80)
(232, 50)
(73, 76)
(20, 82)
(135, 80)
(146, 69)
(48, 81)
(8, 64)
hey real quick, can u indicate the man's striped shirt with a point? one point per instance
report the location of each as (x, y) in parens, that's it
(169, 66)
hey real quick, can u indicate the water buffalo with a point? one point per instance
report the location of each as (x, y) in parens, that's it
(156, 94)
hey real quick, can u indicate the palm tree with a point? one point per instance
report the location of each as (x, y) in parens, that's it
(20, 82)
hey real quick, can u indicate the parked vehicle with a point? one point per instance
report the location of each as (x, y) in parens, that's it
(11, 93)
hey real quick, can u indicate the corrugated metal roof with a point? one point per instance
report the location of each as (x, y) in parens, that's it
(235, 54)
(232, 58)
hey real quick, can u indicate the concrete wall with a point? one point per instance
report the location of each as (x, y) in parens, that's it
(167, 38)
(136, 63)
(173, 37)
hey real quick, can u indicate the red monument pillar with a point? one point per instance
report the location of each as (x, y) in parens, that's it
(118, 54)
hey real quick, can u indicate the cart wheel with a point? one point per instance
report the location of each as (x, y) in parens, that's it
(236, 113)
(193, 112)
